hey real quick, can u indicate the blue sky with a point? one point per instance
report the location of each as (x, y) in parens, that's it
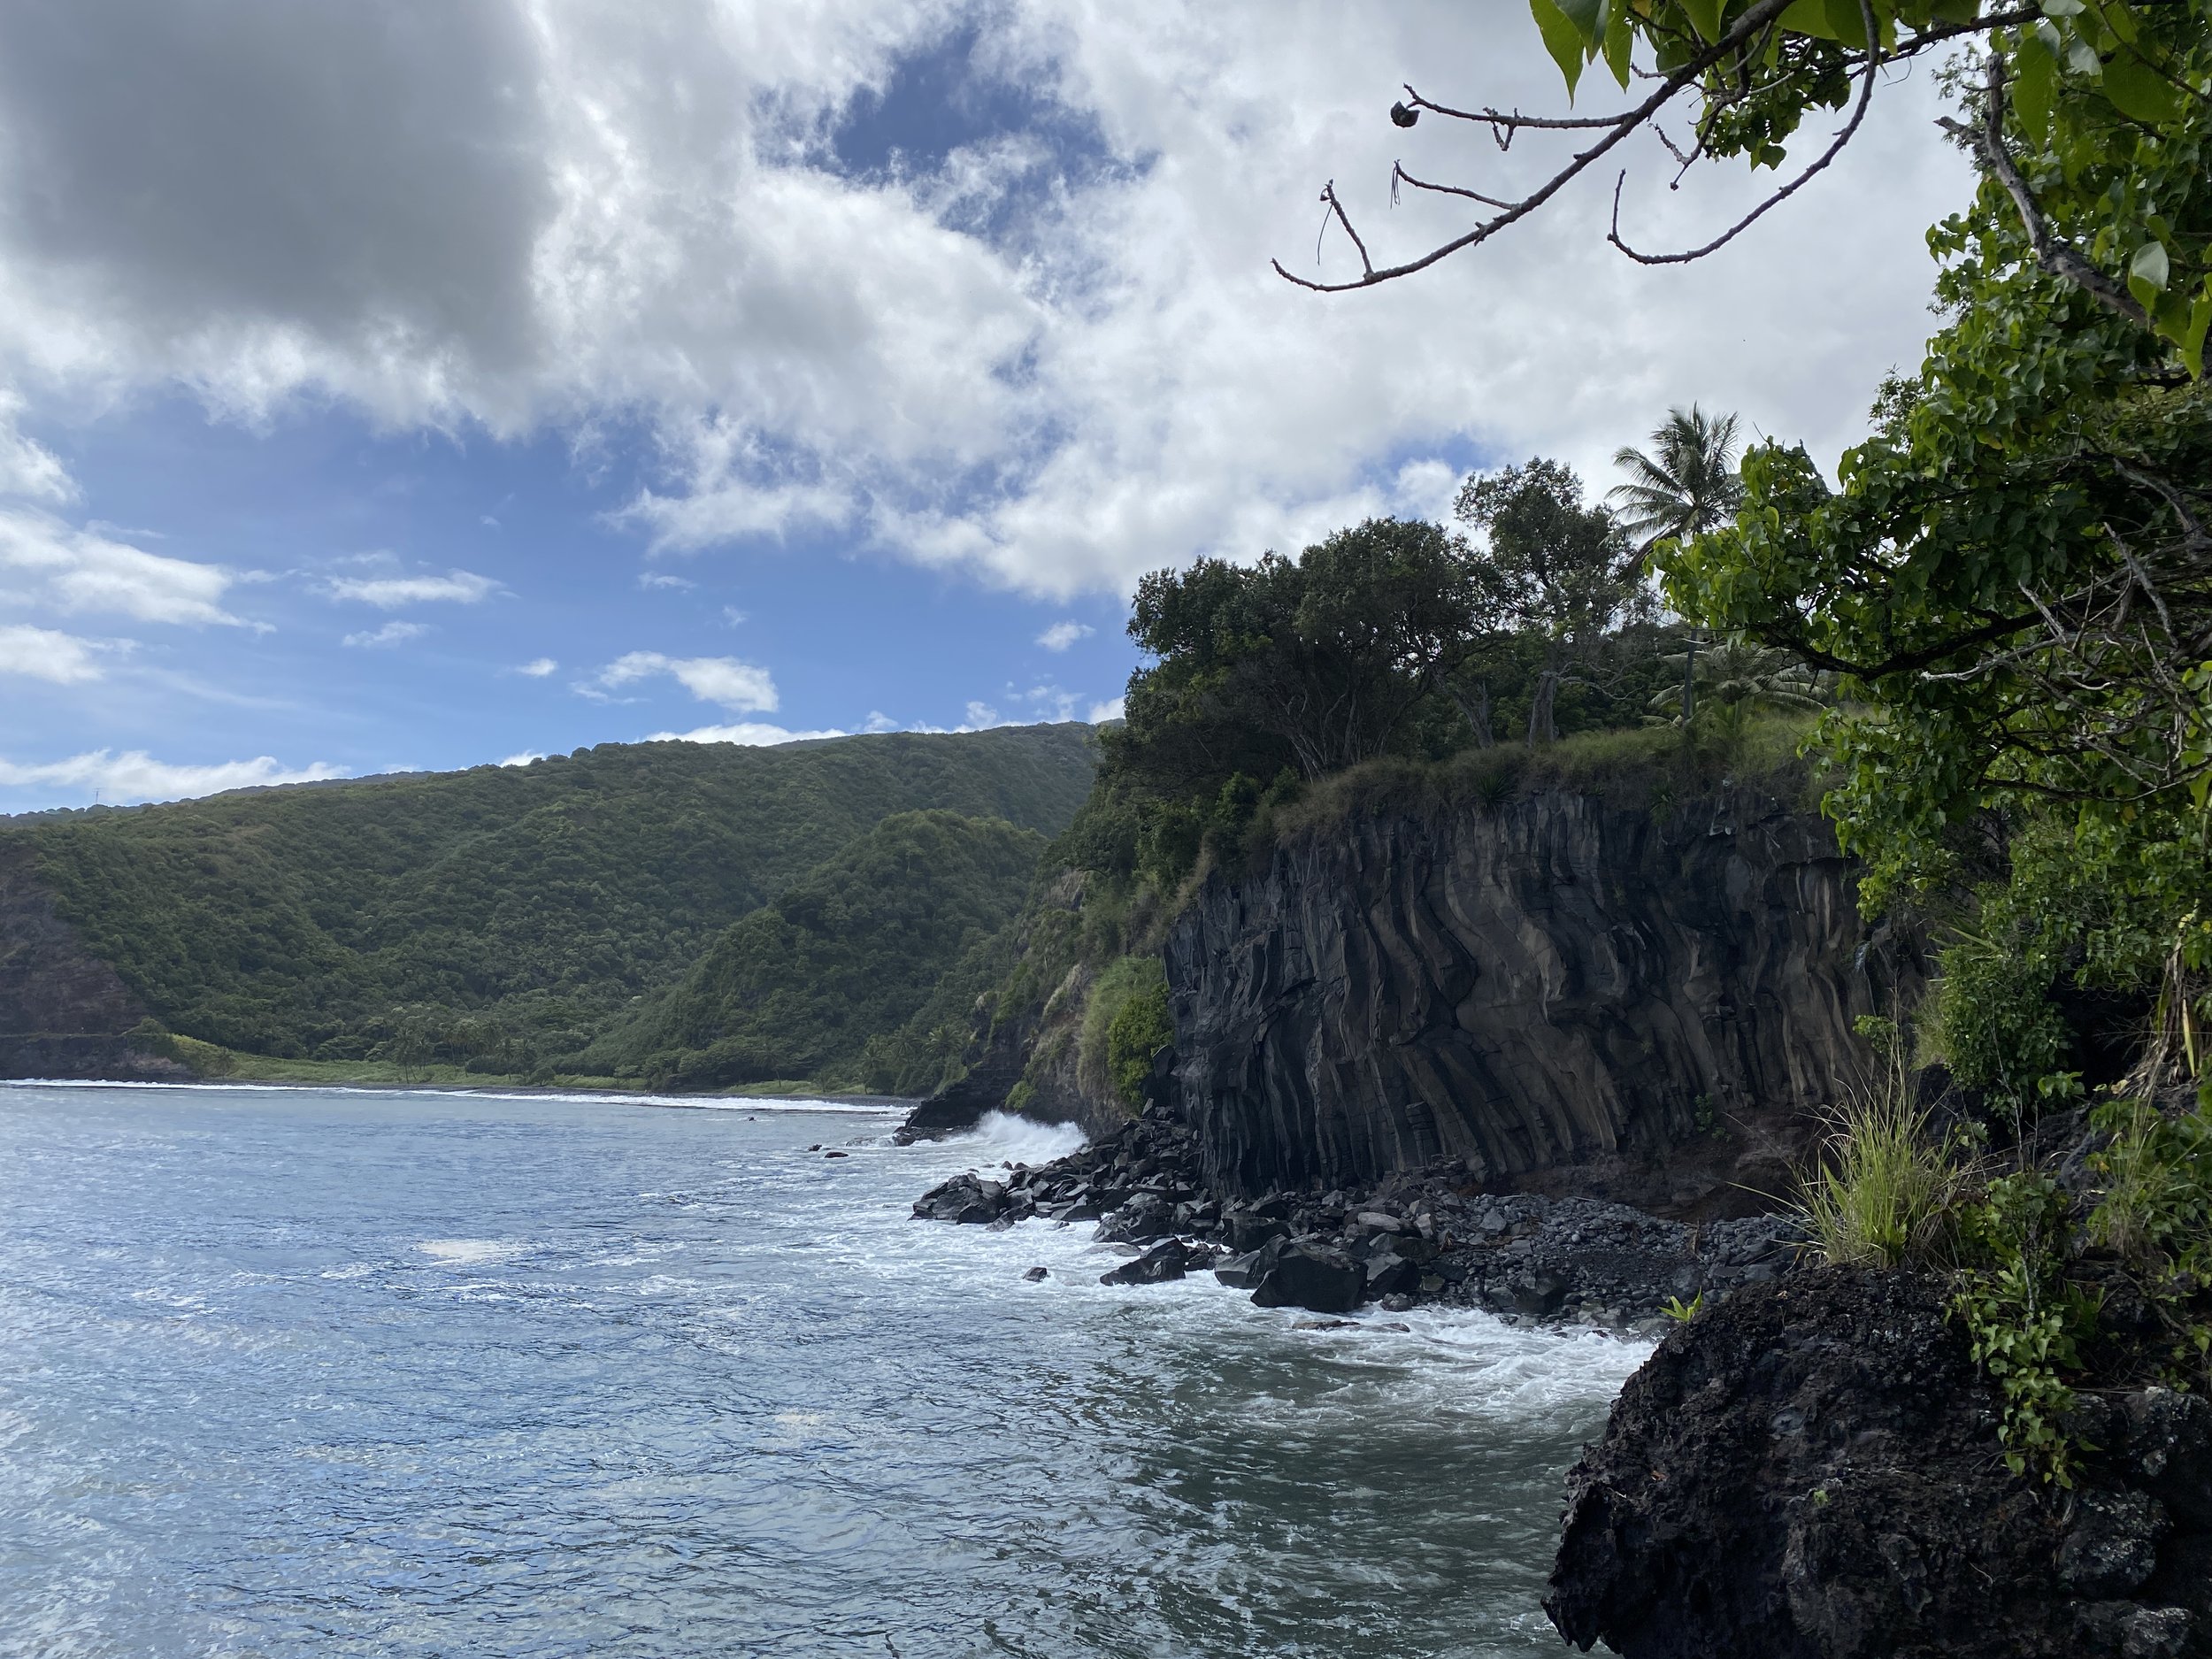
(415, 385)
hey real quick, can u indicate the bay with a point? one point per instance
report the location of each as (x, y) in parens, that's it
(292, 1372)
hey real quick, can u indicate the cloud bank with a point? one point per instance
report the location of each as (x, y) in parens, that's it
(1043, 348)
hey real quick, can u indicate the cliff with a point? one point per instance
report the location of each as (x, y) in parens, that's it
(63, 1013)
(1565, 992)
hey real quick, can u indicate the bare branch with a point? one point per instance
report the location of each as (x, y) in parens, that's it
(2053, 251)
(1328, 195)
(1762, 12)
(1742, 42)
(1398, 173)
(1496, 119)
(1858, 114)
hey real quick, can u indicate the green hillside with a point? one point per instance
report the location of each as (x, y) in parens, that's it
(503, 914)
(845, 954)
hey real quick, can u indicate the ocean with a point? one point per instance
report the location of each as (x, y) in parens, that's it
(324, 1372)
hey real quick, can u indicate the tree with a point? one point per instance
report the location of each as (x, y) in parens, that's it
(1559, 570)
(1320, 661)
(1687, 485)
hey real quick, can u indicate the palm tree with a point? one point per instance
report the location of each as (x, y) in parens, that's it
(1687, 485)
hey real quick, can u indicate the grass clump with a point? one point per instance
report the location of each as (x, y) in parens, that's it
(1884, 1191)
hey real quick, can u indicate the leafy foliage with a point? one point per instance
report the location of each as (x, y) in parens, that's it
(845, 954)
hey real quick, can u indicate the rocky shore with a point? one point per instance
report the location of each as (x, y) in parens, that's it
(1431, 1236)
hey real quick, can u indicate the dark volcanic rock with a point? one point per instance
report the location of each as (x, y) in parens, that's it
(964, 1198)
(1302, 1275)
(1813, 1469)
(1562, 984)
(1158, 1265)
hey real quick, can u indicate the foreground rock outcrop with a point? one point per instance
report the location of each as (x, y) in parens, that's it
(1627, 1000)
(1812, 1469)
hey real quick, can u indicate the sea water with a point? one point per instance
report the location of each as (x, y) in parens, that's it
(294, 1372)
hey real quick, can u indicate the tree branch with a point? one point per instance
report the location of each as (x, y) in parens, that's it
(1761, 13)
(1866, 96)
(2052, 251)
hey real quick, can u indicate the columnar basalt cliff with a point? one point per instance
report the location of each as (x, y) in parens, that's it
(1627, 999)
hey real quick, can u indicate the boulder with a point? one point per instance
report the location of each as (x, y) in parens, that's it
(1146, 1215)
(1309, 1275)
(1157, 1266)
(964, 1198)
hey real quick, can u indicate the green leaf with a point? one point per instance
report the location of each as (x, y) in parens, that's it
(2035, 85)
(1588, 16)
(1560, 40)
(2062, 8)
(1809, 17)
(2137, 89)
(2150, 267)
(2119, 19)
(1704, 15)
(2082, 58)
(1956, 11)
(1620, 42)
(2191, 343)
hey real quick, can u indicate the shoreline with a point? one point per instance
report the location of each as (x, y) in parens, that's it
(1428, 1239)
(887, 1105)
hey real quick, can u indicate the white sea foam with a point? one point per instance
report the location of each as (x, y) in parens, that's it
(471, 1252)
(999, 1138)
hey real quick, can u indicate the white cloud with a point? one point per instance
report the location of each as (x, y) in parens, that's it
(538, 668)
(732, 615)
(650, 580)
(1060, 636)
(978, 716)
(44, 653)
(77, 571)
(879, 721)
(1055, 373)
(27, 468)
(751, 734)
(135, 775)
(390, 633)
(743, 686)
(1113, 709)
(389, 593)
(523, 760)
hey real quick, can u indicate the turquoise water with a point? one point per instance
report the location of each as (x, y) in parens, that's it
(332, 1372)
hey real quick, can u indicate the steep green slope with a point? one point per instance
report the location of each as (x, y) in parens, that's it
(845, 954)
(502, 913)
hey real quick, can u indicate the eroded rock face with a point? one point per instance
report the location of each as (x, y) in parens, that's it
(1813, 1468)
(1604, 991)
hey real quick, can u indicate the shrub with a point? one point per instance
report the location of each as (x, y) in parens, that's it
(1127, 1011)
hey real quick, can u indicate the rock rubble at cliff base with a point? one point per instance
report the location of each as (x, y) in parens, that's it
(1427, 1237)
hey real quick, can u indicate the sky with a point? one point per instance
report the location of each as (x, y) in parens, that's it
(423, 386)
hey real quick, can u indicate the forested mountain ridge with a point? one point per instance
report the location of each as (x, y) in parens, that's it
(846, 953)
(498, 915)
